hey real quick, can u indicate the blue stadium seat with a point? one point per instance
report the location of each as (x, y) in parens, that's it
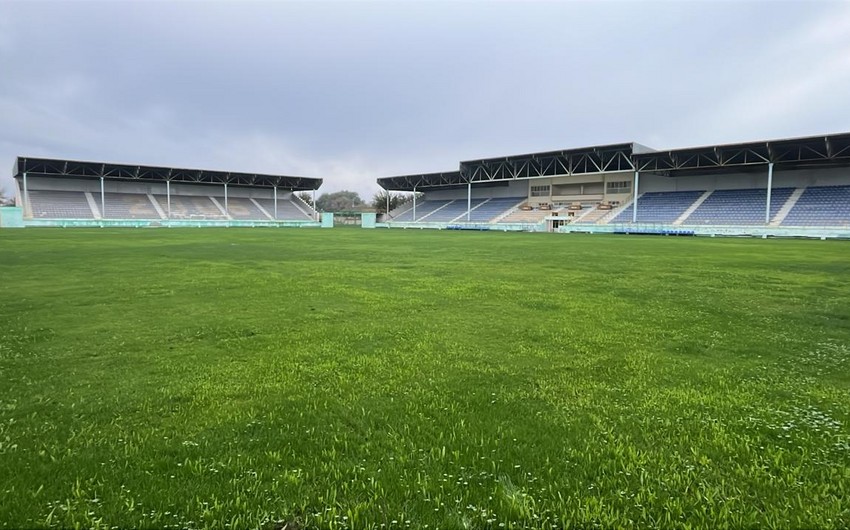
(738, 207)
(659, 207)
(821, 206)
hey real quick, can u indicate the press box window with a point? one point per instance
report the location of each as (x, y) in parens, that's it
(540, 191)
(620, 187)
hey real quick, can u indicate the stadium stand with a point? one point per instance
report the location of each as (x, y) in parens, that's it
(659, 207)
(126, 206)
(48, 204)
(737, 207)
(73, 193)
(821, 206)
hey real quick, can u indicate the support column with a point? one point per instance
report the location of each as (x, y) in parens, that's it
(26, 197)
(414, 203)
(635, 202)
(315, 206)
(168, 197)
(102, 200)
(387, 215)
(769, 190)
(275, 202)
(468, 201)
(226, 211)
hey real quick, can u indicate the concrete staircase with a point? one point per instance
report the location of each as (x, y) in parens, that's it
(95, 211)
(786, 208)
(692, 208)
(462, 217)
(260, 207)
(605, 219)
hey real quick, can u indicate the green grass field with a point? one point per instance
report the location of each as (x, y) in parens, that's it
(419, 379)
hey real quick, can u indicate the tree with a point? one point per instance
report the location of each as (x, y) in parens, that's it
(306, 196)
(379, 201)
(339, 201)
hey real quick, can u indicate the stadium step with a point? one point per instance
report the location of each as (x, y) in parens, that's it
(220, 207)
(260, 207)
(590, 212)
(462, 217)
(157, 207)
(95, 211)
(692, 208)
(615, 212)
(509, 211)
(433, 212)
(786, 208)
(305, 208)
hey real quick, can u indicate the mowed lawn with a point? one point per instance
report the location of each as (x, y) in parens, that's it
(346, 378)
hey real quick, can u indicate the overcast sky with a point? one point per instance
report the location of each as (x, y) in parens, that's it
(352, 91)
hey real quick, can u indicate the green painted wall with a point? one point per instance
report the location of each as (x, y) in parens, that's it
(11, 217)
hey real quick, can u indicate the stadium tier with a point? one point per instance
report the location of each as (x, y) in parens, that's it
(738, 207)
(493, 208)
(821, 206)
(242, 208)
(453, 210)
(285, 209)
(423, 210)
(189, 207)
(49, 204)
(127, 206)
(659, 207)
(72, 193)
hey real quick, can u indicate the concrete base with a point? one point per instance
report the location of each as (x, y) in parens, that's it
(11, 217)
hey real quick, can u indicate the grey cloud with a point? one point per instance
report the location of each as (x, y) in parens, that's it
(352, 91)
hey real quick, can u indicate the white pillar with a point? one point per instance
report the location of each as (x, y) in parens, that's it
(168, 197)
(26, 197)
(769, 186)
(226, 212)
(635, 203)
(414, 203)
(315, 208)
(102, 200)
(387, 215)
(468, 201)
(275, 202)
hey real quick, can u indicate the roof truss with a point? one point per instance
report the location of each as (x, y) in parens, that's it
(46, 167)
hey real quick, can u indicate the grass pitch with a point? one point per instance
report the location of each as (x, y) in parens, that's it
(396, 379)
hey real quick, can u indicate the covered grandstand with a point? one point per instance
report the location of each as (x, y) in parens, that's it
(790, 187)
(53, 192)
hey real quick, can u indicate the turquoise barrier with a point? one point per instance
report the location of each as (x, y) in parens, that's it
(327, 220)
(367, 220)
(165, 223)
(488, 227)
(11, 217)
(824, 232)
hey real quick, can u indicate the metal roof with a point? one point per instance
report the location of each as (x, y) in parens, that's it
(422, 181)
(47, 167)
(791, 153)
(831, 150)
